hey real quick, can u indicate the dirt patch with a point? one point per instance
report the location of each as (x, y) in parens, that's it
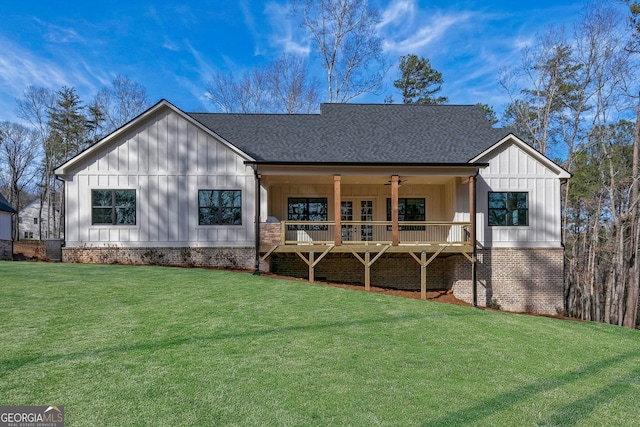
(28, 250)
(444, 296)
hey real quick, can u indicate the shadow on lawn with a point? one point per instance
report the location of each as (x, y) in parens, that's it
(567, 416)
(8, 365)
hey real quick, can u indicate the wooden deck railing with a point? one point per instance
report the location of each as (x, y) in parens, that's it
(374, 232)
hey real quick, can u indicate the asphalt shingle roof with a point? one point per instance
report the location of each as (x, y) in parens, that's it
(5, 206)
(360, 133)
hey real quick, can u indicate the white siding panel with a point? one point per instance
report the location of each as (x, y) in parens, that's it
(512, 169)
(166, 159)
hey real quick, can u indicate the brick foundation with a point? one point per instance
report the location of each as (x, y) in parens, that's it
(524, 280)
(521, 280)
(6, 250)
(398, 271)
(184, 257)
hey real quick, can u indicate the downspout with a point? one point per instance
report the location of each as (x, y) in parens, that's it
(474, 264)
(62, 225)
(257, 220)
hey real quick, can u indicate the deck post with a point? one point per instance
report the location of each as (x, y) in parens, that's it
(424, 262)
(423, 275)
(367, 271)
(312, 266)
(395, 239)
(472, 236)
(337, 211)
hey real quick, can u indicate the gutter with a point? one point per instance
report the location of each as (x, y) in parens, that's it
(364, 164)
(474, 264)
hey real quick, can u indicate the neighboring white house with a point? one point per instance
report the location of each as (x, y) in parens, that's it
(32, 222)
(6, 234)
(391, 195)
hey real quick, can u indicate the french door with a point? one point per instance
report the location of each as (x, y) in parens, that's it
(359, 212)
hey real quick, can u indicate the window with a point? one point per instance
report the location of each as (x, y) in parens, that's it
(28, 234)
(218, 207)
(308, 209)
(409, 209)
(35, 220)
(508, 208)
(117, 207)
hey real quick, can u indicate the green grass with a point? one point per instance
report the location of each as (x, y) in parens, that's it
(123, 345)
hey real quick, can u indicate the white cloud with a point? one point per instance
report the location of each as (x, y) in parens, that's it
(57, 34)
(20, 68)
(204, 69)
(286, 34)
(414, 39)
(398, 11)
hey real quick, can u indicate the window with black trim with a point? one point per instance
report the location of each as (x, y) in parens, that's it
(116, 207)
(307, 209)
(409, 209)
(508, 208)
(219, 207)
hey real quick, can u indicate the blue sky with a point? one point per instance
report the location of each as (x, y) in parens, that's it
(173, 48)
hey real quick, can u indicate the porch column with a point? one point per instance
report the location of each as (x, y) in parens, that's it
(395, 239)
(472, 237)
(337, 211)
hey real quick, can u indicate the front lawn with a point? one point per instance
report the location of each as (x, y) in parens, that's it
(126, 345)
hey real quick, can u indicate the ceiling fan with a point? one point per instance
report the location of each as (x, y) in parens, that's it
(400, 181)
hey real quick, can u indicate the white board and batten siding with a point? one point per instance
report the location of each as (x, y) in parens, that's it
(166, 158)
(514, 167)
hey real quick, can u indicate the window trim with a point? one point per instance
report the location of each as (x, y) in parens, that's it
(326, 201)
(508, 216)
(113, 207)
(218, 224)
(308, 227)
(407, 227)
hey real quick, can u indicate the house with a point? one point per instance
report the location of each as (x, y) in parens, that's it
(33, 223)
(6, 229)
(407, 196)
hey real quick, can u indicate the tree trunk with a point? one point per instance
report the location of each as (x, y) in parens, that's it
(631, 312)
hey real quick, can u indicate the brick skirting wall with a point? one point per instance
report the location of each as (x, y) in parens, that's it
(524, 280)
(399, 271)
(6, 250)
(243, 258)
(521, 280)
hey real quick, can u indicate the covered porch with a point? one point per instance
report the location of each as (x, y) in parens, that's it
(424, 213)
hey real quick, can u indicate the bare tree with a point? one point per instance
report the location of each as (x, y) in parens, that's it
(120, 102)
(345, 35)
(290, 87)
(282, 86)
(548, 73)
(246, 94)
(19, 149)
(34, 107)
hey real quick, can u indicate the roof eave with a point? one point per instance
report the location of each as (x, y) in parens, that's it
(61, 171)
(365, 164)
(562, 173)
